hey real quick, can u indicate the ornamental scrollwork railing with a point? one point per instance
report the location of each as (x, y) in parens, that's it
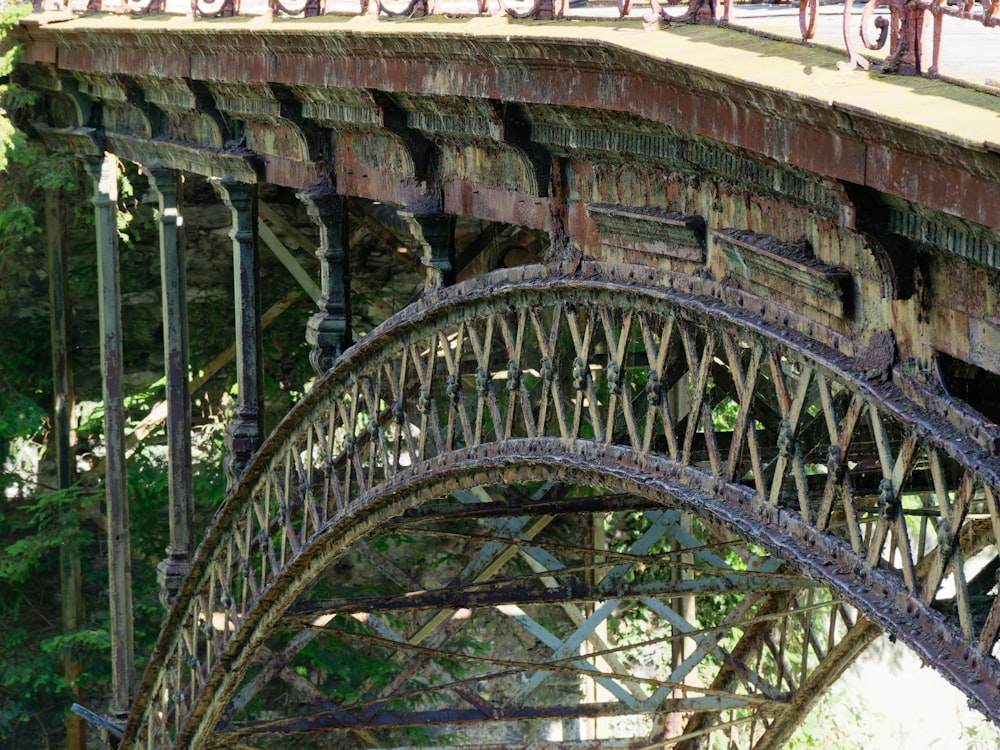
(903, 31)
(895, 29)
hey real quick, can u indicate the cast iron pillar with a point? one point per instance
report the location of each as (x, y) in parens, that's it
(438, 233)
(329, 330)
(246, 428)
(171, 571)
(70, 571)
(105, 176)
(62, 376)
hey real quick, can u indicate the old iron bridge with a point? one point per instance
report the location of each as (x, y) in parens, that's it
(732, 335)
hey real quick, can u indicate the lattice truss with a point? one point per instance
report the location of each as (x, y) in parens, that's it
(582, 509)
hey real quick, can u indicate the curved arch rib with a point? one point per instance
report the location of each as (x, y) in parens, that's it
(609, 377)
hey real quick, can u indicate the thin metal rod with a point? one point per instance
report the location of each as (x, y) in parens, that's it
(97, 720)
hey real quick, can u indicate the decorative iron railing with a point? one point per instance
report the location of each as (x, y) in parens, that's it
(907, 32)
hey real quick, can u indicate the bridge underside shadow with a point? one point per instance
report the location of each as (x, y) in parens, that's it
(581, 506)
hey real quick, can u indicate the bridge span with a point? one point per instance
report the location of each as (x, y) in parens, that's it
(726, 361)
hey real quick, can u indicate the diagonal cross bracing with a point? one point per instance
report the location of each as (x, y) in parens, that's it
(840, 518)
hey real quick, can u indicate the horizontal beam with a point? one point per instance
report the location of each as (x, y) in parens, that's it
(336, 719)
(490, 596)
(512, 507)
(862, 134)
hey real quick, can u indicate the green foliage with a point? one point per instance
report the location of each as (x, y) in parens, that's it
(27, 170)
(35, 526)
(838, 713)
(21, 191)
(27, 166)
(51, 521)
(148, 490)
(26, 679)
(35, 532)
(286, 366)
(20, 416)
(384, 542)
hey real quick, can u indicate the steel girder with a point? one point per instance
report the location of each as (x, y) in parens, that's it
(502, 424)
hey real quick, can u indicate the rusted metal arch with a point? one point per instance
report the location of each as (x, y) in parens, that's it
(774, 592)
(201, 676)
(469, 469)
(342, 717)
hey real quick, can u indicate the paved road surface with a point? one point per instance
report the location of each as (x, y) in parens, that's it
(970, 52)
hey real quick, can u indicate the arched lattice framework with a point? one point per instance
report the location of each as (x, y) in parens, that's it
(767, 509)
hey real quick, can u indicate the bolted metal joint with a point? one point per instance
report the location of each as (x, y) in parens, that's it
(424, 401)
(834, 465)
(482, 383)
(888, 503)
(786, 439)
(614, 377)
(513, 376)
(653, 388)
(170, 573)
(546, 370)
(580, 374)
(946, 537)
(398, 411)
(453, 389)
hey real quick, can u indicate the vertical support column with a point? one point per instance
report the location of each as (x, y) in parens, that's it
(245, 430)
(70, 573)
(439, 237)
(595, 727)
(685, 607)
(329, 330)
(560, 248)
(62, 379)
(907, 43)
(171, 570)
(105, 175)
